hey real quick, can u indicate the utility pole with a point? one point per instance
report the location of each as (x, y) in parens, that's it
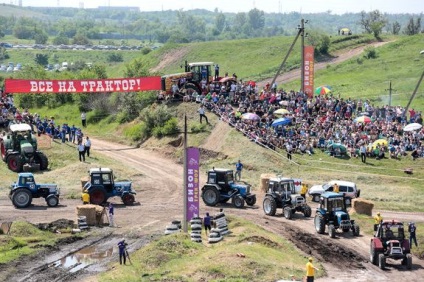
(185, 177)
(302, 59)
(390, 93)
(415, 91)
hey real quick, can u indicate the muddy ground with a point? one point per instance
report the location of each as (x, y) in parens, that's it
(344, 258)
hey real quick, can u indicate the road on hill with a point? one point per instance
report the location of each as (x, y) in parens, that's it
(159, 192)
(337, 58)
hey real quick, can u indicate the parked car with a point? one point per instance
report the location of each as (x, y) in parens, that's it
(347, 188)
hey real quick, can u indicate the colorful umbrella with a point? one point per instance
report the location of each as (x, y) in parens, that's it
(363, 119)
(412, 127)
(250, 116)
(281, 112)
(281, 121)
(381, 142)
(322, 90)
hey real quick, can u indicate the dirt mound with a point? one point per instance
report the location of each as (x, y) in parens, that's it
(177, 142)
(261, 240)
(209, 154)
(171, 57)
(57, 225)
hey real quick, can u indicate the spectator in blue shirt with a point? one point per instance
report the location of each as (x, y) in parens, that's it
(239, 167)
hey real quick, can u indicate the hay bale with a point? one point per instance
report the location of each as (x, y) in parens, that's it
(361, 206)
(263, 185)
(84, 180)
(89, 211)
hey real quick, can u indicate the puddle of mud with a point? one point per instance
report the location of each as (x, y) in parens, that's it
(83, 258)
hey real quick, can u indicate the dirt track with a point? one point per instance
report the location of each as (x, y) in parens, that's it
(345, 258)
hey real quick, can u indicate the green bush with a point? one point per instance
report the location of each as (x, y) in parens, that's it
(198, 127)
(370, 53)
(170, 128)
(134, 132)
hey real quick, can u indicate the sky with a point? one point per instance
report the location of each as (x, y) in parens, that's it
(235, 6)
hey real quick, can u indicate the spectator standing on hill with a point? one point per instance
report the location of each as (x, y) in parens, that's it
(202, 114)
(411, 229)
(216, 72)
(84, 119)
(363, 152)
(81, 151)
(87, 146)
(239, 168)
(207, 222)
(310, 271)
(122, 254)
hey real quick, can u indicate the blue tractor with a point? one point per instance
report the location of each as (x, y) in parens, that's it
(332, 212)
(102, 186)
(25, 189)
(220, 188)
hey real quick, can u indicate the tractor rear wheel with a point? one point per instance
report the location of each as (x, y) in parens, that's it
(307, 211)
(97, 195)
(331, 231)
(238, 201)
(250, 201)
(408, 261)
(21, 198)
(42, 160)
(52, 200)
(128, 199)
(210, 196)
(3, 150)
(319, 224)
(381, 261)
(15, 163)
(288, 213)
(373, 255)
(269, 206)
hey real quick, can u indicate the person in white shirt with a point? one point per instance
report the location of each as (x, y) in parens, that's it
(81, 152)
(201, 112)
(87, 146)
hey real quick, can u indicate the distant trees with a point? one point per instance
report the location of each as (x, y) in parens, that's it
(256, 19)
(395, 28)
(320, 41)
(41, 59)
(373, 22)
(413, 27)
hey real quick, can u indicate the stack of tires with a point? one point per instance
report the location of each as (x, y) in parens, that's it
(82, 223)
(174, 227)
(196, 229)
(221, 223)
(214, 236)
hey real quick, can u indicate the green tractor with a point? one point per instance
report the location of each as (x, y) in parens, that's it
(19, 150)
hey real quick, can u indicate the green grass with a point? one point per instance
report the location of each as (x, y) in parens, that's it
(176, 258)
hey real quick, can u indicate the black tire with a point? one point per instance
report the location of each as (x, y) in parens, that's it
(238, 201)
(97, 195)
(381, 261)
(373, 255)
(288, 213)
(128, 199)
(356, 230)
(250, 201)
(14, 163)
(210, 196)
(331, 231)
(316, 197)
(52, 200)
(190, 87)
(21, 198)
(269, 206)
(3, 150)
(307, 211)
(42, 160)
(319, 224)
(358, 194)
(408, 261)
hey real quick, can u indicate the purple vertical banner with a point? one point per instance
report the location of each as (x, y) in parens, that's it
(192, 178)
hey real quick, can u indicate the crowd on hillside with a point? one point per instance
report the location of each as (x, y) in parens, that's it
(317, 122)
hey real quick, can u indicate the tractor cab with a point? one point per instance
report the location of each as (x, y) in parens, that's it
(102, 176)
(223, 177)
(201, 71)
(390, 230)
(284, 187)
(336, 202)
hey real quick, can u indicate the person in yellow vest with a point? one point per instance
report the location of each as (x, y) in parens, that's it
(85, 197)
(310, 271)
(303, 190)
(336, 188)
(377, 220)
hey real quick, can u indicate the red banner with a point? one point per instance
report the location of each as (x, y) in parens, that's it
(308, 81)
(83, 86)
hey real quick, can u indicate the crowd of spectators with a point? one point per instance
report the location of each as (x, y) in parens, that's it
(316, 122)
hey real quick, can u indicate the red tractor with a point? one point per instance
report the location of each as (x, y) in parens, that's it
(389, 242)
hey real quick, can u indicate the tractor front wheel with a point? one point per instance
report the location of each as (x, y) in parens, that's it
(381, 261)
(128, 199)
(331, 231)
(210, 196)
(408, 261)
(15, 163)
(355, 230)
(288, 213)
(52, 201)
(250, 201)
(238, 201)
(97, 196)
(319, 224)
(373, 254)
(42, 160)
(307, 211)
(21, 198)
(270, 206)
